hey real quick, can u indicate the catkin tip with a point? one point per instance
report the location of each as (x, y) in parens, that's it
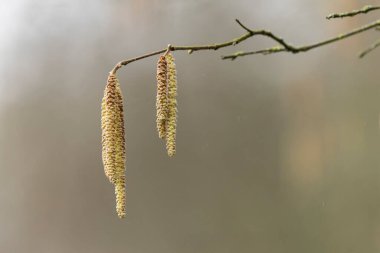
(120, 199)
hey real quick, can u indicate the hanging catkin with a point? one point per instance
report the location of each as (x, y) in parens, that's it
(161, 100)
(113, 142)
(171, 123)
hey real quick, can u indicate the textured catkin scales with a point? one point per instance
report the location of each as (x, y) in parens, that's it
(120, 190)
(171, 123)
(113, 142)
(109, 128)
(120, 197)
(161, 100)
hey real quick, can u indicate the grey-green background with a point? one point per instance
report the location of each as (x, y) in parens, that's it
(275, 154)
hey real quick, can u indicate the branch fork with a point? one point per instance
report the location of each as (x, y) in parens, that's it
(282, 46)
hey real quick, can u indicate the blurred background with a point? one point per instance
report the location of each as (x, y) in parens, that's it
(275, 153)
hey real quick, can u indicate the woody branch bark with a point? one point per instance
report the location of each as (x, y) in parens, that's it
(282, 46)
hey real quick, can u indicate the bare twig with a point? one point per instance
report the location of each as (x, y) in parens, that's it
(190, 49)
(282, 47)
(370, 49)
(363, 10)
(299, 49)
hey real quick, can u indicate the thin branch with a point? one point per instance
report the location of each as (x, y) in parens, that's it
(369, 49)
(243, 26)
(190, 50)
(122, 63)
(299, 49)
(363, 10)
(283, 47)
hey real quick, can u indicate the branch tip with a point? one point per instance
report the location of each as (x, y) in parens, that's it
(369, 49)
(364, 10)
(243, 26)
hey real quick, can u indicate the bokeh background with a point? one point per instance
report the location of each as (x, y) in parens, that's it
(275, 153)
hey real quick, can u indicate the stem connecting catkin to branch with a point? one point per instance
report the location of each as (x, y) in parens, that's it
(113, 140)
(171, 124)
(161, 101)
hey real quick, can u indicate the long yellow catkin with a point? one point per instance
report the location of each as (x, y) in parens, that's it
(113, 141)
(171, 123)
(161, 100)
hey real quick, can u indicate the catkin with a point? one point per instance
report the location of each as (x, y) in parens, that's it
(113, 140)
(171, 123)
(161, 100)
